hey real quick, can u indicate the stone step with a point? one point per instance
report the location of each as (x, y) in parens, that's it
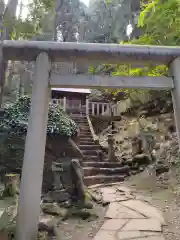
(89, 158)
(89, 147)
(86, 143)
(89, 152)
(82, 130)
(98, 179)
(85, 135)
(85, 132)
(80, 120)
(75, 115)
(102, 164)
(84, 126)
(85, 129)
(83, 142)
(90, 171)
(88, 137)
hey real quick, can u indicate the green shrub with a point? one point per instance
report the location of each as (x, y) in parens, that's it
(15, 121)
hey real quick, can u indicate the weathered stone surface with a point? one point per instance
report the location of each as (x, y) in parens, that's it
(108, 194)
(109, 198)
(112, 210)
(143, 198)
(108, 235)
(127, 213)
(113, 224)
(116, 210)
(124, 235)
(53, 209)
(129, 216)
(153, 238)
(47, 224)
(108, 190)
(114, 195)
(143, 225)
(120, 198)
(60, 195)
(124, 189)
(145, 209)
(141, 159)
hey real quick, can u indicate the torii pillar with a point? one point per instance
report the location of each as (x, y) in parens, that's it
(175, 73)
(32, 171)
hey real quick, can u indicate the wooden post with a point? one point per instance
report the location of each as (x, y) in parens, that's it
(175, 73)
(32, 172)
(98, 108)
(93, 109)
(111, 152)
(87, 106)
(103, 110)
(64, 103)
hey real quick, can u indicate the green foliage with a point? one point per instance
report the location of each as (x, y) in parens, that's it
(16, 119)
(137, 97)
(161, 23)
(148, 8)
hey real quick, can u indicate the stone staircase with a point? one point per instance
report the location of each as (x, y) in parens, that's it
(96, 171)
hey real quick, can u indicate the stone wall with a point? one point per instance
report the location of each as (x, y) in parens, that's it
(55, 150)
(12, 152)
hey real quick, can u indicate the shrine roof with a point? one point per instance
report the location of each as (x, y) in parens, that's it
(75, 90)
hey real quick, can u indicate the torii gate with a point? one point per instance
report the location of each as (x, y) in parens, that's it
(46, 52)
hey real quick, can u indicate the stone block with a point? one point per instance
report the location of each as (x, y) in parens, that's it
(152, 225)
(106, 235)
(116, 210)
(126, 235)
(60, 196)
(113, 224)
(144, 209)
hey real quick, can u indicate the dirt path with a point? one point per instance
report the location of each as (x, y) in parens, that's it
(129, 216)
(164, 193)
(78, 229)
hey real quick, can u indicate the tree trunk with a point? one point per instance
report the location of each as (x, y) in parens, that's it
(8, 14)
(2, 8)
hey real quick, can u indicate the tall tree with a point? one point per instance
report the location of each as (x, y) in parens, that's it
(68, 17)
(8, 16)
(108, 20)
(160, 21)
(2, 7)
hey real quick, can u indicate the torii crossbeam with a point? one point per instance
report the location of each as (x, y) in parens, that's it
(44, 53)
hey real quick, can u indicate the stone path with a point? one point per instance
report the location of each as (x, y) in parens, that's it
(129, 216)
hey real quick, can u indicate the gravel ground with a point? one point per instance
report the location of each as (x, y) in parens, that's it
(76, 229)
(164, 193)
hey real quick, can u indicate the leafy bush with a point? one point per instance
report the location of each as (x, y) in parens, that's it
(15, 120)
